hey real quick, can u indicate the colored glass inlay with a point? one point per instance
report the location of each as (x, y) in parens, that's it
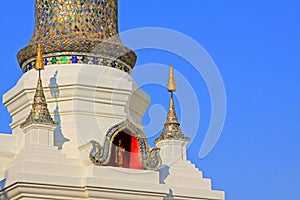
(78, 26)
(64, 60)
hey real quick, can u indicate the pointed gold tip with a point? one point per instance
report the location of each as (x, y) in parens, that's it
(39, 63)
(172, 83)
(172, 130)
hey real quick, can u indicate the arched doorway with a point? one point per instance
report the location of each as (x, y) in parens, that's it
(126, 141)
(125, 151)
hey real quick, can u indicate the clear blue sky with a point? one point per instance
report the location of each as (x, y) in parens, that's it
(256, 46)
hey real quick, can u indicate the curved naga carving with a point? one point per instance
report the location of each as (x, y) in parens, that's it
(96, 153)
(100, 155)
(152, 161)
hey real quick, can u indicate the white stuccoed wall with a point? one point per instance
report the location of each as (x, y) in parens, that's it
(172, 151)
(91, 100)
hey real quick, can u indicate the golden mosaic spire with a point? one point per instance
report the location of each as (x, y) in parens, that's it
(172, 130)
(77, 32)
(39, 113)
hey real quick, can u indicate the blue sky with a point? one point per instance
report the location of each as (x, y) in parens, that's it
(255, 45)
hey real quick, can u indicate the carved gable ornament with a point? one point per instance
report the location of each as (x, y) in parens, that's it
(102, 155)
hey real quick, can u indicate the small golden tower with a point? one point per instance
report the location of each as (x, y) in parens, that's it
(172, 130)
(39, 113)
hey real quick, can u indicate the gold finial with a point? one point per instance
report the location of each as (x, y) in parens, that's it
(172, 130)
(39, 63)
(39, 113)
(171, 83)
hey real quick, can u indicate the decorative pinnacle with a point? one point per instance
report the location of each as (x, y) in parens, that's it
(39, 63)
(172, 130)
(171, 83)
(39, 113)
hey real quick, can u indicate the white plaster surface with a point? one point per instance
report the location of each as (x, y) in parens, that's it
(91, 100)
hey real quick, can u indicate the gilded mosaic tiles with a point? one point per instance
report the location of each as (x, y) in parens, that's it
(79, 26)
(72, 58)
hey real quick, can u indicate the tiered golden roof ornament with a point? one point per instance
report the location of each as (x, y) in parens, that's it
(39, 113)
(77, 32)
(172, 130)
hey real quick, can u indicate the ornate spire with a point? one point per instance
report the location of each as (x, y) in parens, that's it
(172, 130)
(172, 83)
(39, 113)
(77, 32)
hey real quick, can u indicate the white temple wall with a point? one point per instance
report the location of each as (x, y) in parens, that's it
(90, 100)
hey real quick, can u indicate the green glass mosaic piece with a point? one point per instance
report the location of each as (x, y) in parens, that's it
(64, 60)
(54, 60)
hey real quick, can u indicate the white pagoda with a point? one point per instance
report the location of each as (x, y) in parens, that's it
(77, 131)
